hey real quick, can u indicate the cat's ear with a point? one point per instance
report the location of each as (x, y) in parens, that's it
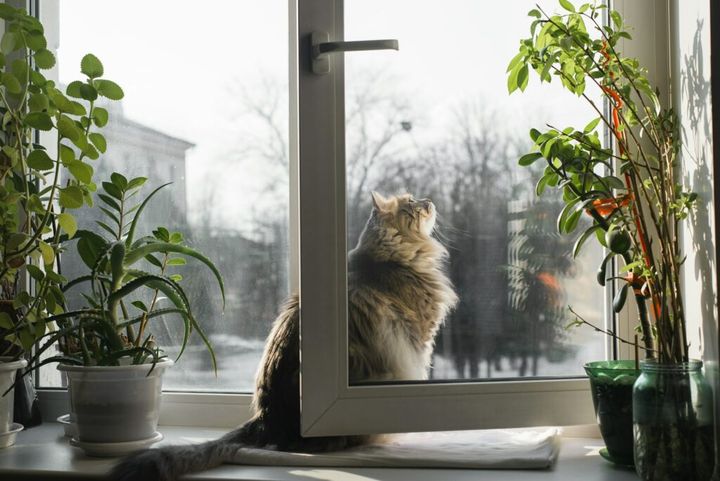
(379, 202)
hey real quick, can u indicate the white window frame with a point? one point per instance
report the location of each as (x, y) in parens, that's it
(329, 405)
(317, 221)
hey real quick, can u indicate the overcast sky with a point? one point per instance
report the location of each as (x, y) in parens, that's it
(181, 62)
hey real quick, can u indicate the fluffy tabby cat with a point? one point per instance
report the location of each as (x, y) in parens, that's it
(398, 297)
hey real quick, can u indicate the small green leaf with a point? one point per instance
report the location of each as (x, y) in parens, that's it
(8, 42)
(48, 253)
(38, 79)
(71, 197)
(39, 120)
(67, 154)
(153, 260)
(35, 272)
(522, 78)
(39, 160)
(100, 116)
(583, 237)
(567, 5)
(44, 59)
(36, 41)
(112, 189)
(529, 159)
(140, 305)
(38, 102)
(90, 247)
(109, 201)
(67, 128)
(81, 171)
(98, 141)
(136, 182)
(515, 61)
(73, 89)
(109, 89)
(88, 92)
(591, 126)
(512, 81)
(67, 223)
(119, 180)
(176, 261)
(11, 83)
(91, 66)
(614, 182)
(5, 321)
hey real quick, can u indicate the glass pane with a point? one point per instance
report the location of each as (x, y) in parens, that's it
(434, 120)
(206, 110)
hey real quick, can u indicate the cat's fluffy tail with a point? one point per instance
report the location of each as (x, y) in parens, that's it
(169, 463)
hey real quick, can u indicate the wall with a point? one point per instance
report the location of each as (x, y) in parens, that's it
(691, 95)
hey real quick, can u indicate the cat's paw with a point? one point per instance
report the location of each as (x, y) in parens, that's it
(145, 465)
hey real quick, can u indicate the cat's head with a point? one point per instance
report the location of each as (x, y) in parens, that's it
(412, 218)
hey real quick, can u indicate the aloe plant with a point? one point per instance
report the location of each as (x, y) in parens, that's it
(113, 326)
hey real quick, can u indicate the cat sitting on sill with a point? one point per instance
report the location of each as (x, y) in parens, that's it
(398, 296)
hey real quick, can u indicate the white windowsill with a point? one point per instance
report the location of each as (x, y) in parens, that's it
(43, 453)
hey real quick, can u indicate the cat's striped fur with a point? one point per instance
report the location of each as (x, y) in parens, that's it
(398, 297)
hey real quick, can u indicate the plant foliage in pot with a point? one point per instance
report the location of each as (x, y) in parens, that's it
(41, 182)
(636, 204)
(107, 348)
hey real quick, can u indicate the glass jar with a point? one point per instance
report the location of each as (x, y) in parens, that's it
(673, 422)
(611, 385)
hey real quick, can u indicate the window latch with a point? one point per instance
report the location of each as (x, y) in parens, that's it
(322, 48)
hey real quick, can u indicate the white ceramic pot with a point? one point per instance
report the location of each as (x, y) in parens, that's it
(115, 404)
(8, 368)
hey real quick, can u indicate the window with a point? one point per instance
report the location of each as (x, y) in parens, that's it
(206, 110)
(417, 119)
(208, 104)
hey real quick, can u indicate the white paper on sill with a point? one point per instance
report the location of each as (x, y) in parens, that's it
(532, 448)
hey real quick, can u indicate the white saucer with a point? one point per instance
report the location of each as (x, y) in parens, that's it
(109, 450)
(8, 438)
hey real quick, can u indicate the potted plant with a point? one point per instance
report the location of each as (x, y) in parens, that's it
(40, 181)
(107, 348)
(636, 203)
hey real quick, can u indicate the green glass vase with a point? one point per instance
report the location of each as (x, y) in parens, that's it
(673, 422)
(611, 385)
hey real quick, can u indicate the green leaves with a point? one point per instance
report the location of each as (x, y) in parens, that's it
(114, 279)
(9, 42)
(39, 160)
(11, 83)
(529, 159)
(39, 120)
(44, 59)
(67, 128)
(67, 223)
(567, 5)
(71, 197)
(100, 117)
(518, 78)
(98, 141)
(591, 125)
(109, 89)
(584, 237)
(91, 66)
